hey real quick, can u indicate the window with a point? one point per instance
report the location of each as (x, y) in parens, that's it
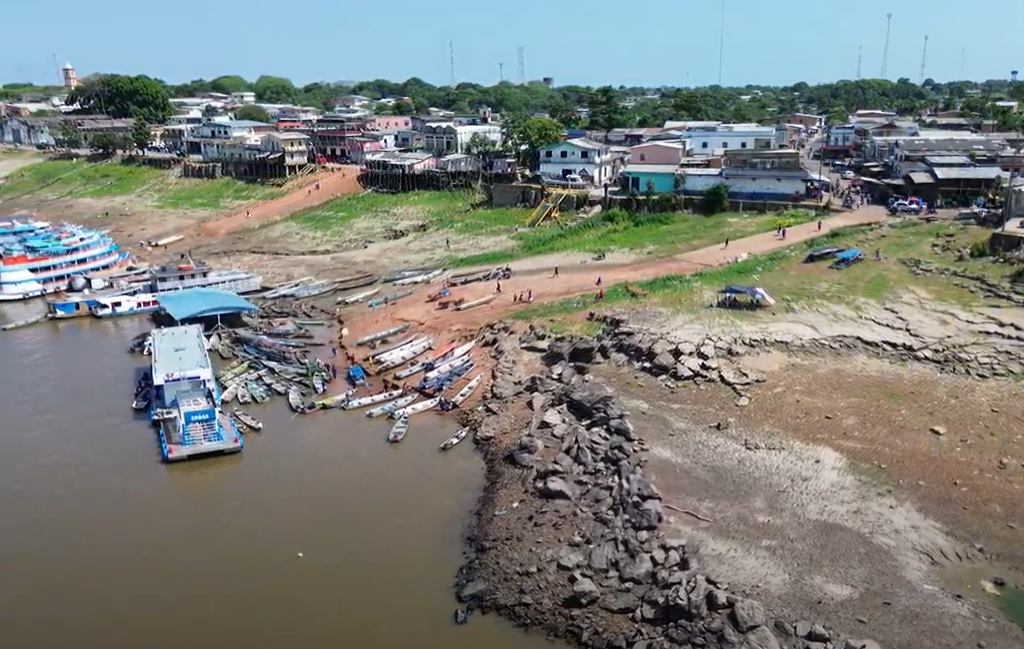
(547, 154)
(725, 145)
(584, 154)
(564, 154)
(703, 145)
(743, 145)
(642, 157)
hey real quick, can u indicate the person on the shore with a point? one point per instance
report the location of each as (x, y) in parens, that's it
(726, 243)
(334, 351)
(334, 371)
(556, 272)
(819, 225)
(448, 244)
(529, 295)
(499, 287)
(783, 234)
(598, 283)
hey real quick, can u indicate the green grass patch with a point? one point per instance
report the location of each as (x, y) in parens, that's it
(618, 230)
(78, 179)
(211, 194)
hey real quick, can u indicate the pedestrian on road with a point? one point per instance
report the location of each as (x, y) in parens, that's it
(334, 351)
(515, 297)
(499, 287)
(529, 295)
(783, 234)
(448, 244)
(819, 225)
(556, 272)
(598, 281)
(726, 243)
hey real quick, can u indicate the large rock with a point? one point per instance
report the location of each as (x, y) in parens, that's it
(472, 590)
(748, 614)
(592, 401)
(621, 602)
(648, 515)
(584, 593)
(638, 569)
(569, 559)
(550, 419)
(602, 556)
(663, 363)
(760, 638)
(526, 450)
(818, 634)
(622, 428)
(555, 488)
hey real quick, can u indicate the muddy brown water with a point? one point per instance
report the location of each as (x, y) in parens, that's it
(101, 545)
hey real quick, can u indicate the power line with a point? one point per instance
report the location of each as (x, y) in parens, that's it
(924, 59)
(885, 52)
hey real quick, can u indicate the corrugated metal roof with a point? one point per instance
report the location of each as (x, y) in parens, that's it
(921, 178)
(969, 173)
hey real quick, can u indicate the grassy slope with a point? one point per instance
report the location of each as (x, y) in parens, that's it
(81, 179)
(792, 282)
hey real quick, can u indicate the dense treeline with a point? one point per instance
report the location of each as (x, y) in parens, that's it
(607, 107)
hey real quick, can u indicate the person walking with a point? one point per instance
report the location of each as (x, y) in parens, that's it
(499, 287)
(598, 281)
(726, 243)
(529, 295)
(819, 225)
(556, 272)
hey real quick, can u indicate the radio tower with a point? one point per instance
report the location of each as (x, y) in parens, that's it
(451, 61)
(521, 64)
(860, 56)
(924, 59)
(885, 52)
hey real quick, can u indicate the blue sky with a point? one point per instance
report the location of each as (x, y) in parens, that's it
(650, 42)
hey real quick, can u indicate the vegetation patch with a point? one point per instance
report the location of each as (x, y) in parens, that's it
(78, 179)
(211, 194)
(656, 234)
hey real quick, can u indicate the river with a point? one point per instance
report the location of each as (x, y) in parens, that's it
(101, 545)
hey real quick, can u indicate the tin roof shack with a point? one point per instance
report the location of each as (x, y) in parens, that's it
(914, 150)
(90, 128)
(959, 185)
(404, 162)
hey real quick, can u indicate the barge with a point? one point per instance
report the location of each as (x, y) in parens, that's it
(185, 404)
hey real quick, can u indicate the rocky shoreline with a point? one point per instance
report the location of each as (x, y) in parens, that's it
(570, 536)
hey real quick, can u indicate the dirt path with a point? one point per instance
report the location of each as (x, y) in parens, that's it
(332, 185)
(578, 280)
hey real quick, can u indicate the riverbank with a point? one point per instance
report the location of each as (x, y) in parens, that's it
(580, 531)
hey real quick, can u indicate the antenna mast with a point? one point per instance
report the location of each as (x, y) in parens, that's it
(501, 72)
(721, 44)
(924, 59)
(521, 64)
(860, 57)
(451, 61)
(963, 55)
(885, 52)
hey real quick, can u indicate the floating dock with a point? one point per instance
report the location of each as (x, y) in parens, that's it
(186, 403)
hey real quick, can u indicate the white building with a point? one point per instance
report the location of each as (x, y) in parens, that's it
(595, 163)
(447, 137)
(243, 97)
(705, 140)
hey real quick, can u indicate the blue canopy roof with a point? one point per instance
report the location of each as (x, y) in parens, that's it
(202, 302)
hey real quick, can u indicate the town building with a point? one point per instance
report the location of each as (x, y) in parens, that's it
(399, 161)
(705, 140)
(767, 175)
(594, 163)
(451, 138)
(805, 120)
(658, 153)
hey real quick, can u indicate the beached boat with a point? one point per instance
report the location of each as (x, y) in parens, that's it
(249, 421)
(283, 289)
(319, 384)
(383, 351)
(444, 354)
(315, 289)
(399, 430)
(468, 390)
(447, 366)
(390, 298)
(419, 279)
(416, 408)
(371, 399)
(404, 355)
(439, 383)
(381, 335)
(296, 401)
(357, 297)
(279, 387)
(311, 323)
(408, 272)
(456, 437)
(392, 406)
(333, 401)
(465, 306)
(233, 371)
(258, 391)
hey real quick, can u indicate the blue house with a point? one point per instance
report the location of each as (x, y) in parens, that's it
(657, 179)
(28, 131)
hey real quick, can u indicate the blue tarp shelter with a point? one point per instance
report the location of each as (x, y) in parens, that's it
(193, 303)
(753, 292)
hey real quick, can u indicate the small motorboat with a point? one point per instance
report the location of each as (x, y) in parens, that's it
(371, 399)
(456, 437)
(467, 391)
(319, 385)
(229, 393)
(142, 400)
(399, 430)
(392, 406)
(295, 400)
(243, 394)
(249, 421)
(416, 408)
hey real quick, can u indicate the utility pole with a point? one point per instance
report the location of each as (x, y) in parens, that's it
(521, 64)
(501, 72)
(860, 57)
(885, 51)
(721, 44)
(963, 56)
(924, 59)
(451, 61)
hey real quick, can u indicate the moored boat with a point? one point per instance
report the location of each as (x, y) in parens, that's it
(456, 437)
(243, 395)
(444, 354)
(109, 307)
(371, 399)
(352, 298)
(391, 297)
(383, 351)
(248, 420)
(392, 406)
(419, 279)
(416, 408)
(295, 400)
(229, 394)
(468, 390)
(446, 367)
(399, 430)
(404, 355)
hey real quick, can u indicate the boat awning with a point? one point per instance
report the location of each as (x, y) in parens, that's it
(753, 292)
(202, 302)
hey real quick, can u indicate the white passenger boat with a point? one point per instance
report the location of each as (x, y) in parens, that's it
(110, 307)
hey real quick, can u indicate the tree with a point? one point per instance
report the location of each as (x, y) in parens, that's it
(229, 84)
(105, 143)
(68, 135)
(525, 136)
(478, 145)
(716, 199)
(120, 96)
(836, 115)
(274, 90)
(254, 113)
(141, 135)
(605, 109)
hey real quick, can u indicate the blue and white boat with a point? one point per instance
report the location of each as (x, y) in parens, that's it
(61, 306)
(37, 258)
(113, 306)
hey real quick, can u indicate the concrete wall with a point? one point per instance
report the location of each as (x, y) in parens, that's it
(655, 154)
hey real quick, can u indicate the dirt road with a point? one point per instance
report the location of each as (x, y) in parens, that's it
(580, 279)
(332, 185)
